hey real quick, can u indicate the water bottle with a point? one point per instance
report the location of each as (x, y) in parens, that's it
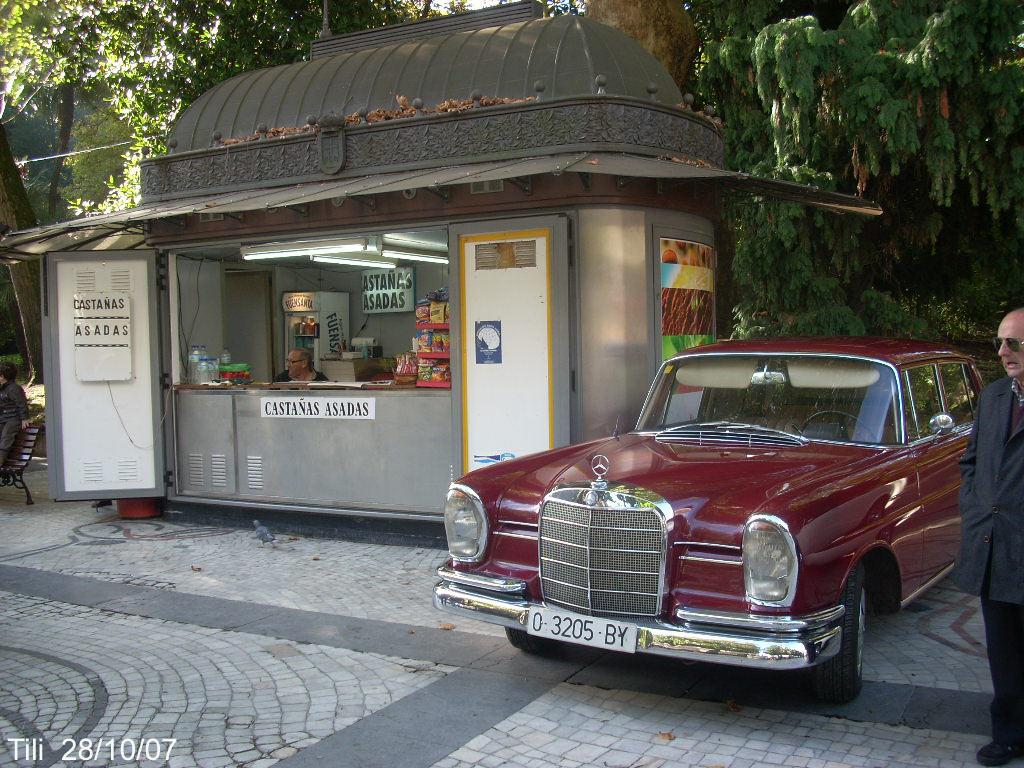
(192, 373)
(225, 357)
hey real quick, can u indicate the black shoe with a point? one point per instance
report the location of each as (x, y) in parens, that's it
(995, 753)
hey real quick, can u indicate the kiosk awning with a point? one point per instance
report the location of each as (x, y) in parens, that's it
(124, 230)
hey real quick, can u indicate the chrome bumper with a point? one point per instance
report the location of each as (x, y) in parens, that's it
(742, 640)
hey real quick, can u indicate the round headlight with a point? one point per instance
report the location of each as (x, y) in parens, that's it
(465, 524)
(769, 561)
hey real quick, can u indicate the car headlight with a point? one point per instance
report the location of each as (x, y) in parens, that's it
(770, 561)
(465, 524)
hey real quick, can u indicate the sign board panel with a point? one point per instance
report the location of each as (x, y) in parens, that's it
(318, 408)
(102, 335)
(389, 290)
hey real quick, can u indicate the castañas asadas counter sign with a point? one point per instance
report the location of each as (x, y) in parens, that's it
(318, 407)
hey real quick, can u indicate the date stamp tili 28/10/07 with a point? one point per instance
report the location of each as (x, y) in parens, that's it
(75, 750)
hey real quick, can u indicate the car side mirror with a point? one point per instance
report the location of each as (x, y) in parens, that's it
(941, 423)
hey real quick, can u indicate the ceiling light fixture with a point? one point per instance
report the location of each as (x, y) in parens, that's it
(318, 247)
(410, 255)
(353, 260)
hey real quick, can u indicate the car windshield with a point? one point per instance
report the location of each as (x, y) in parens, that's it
(812, 396)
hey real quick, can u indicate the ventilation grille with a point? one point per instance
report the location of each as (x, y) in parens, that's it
(92, 471)
(127, 470)
(120, 280)
(211, 216)
(728, 438)
(486, 187)
(196, 478)
(254, 472)
(218, 470)
(85, 280)
(602, 561)
(508, 255)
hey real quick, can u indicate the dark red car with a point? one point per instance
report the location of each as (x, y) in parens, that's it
(771, 492)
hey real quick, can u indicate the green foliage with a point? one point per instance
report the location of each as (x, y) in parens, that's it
(94, 174)
(918, 104)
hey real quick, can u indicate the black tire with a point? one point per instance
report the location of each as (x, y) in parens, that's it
(839, 679)
(540, 646)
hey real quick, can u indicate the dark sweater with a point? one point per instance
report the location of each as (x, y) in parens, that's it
(13, 403)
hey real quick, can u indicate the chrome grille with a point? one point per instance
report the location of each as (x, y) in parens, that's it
(602, 560)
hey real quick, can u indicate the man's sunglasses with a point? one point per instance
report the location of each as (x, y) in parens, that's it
(1013, 344)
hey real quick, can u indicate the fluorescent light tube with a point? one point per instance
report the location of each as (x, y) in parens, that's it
(413, 256)
(353, 261)
(318, 247)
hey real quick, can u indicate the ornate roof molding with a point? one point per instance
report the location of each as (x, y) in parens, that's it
(506, 131)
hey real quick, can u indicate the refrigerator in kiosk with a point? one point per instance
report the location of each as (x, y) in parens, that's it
(317, 321)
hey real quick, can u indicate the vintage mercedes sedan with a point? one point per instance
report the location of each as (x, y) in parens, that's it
(772, 494)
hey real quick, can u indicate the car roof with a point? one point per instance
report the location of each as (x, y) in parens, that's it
(888, 350)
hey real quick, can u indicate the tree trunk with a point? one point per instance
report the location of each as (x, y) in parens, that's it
(16, 212)
(65, 120)
(663, 27)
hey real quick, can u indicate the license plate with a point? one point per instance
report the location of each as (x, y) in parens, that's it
(584, 630)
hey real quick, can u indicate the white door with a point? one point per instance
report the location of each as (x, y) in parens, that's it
(103, 405)
(513, 341)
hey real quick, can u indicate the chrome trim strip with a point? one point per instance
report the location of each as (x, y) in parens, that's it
(511, 535)
(782, 624)
(739, 646)
(926, 586)
(480, 581)
(518, 524)
(730, 547)
(720, 560)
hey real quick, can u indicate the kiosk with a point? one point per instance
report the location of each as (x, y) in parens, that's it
(545, 175)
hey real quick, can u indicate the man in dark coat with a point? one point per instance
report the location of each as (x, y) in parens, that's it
(991, 561)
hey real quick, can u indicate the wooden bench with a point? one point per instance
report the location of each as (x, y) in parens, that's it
(18, 459)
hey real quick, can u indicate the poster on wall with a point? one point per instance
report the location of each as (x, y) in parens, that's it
(687, 295)
(488, 342)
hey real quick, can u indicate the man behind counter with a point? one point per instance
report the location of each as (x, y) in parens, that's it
(300, 367)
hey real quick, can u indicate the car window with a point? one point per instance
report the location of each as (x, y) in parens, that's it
(812, 396)
(921, 400)
(958, 388)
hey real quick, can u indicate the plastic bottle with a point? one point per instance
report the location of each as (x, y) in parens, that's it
(192, 373)
(225, 357)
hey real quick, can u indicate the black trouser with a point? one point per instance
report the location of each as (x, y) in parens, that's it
(8, 431)
(1004, 635)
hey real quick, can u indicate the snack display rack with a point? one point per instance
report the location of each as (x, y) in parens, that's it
(433, 355)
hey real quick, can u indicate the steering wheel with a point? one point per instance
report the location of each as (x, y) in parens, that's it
(849, 416)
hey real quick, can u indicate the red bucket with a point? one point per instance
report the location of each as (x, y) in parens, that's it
(137, 508)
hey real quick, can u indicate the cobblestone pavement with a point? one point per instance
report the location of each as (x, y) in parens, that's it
(155, 635)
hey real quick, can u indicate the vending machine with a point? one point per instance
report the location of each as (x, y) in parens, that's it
(317, 321)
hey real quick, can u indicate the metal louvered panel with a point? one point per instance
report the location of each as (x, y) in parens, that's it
(601, 560)
(732, 438)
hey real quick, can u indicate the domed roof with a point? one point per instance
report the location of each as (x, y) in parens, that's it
(565, 54)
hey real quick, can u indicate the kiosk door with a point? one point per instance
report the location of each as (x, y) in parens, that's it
(514, 354)
(101, 338)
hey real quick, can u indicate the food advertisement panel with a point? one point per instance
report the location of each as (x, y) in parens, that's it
(687, 295)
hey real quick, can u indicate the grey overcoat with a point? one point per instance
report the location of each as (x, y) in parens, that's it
(992, 500)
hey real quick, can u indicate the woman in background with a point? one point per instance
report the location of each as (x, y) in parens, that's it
(13, 408)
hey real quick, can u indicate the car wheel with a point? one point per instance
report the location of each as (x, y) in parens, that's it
(839, 679)
(540, 646)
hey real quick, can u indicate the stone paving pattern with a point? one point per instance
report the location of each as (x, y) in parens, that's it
(236, 698)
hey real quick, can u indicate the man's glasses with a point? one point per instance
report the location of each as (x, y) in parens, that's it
(292, 362)
(1013, 344)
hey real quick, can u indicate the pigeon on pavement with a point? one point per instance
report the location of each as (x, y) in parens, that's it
(263, 533)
